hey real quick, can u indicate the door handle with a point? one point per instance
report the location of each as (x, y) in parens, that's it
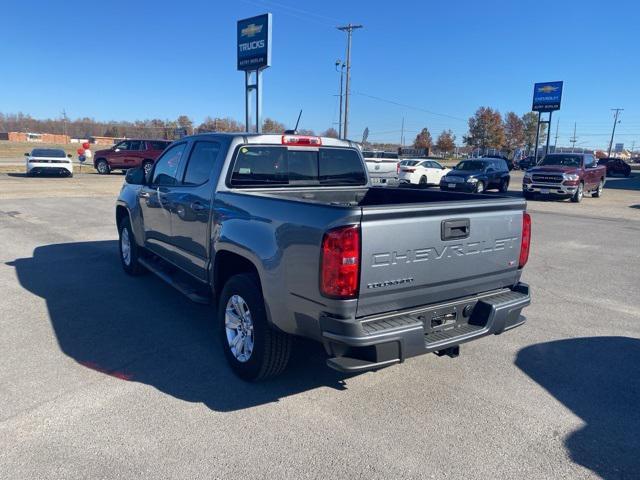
(198, 207)
(144, 195)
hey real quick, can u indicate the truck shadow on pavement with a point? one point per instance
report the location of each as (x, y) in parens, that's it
(142, 330)
(598, 378)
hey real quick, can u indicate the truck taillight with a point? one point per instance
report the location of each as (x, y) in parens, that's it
(340, 263)
(525, 243)
(301, 140)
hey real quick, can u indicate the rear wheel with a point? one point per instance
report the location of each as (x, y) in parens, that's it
(480, 186)
(423, 180)
(504, 185)
(147, 165)
(254, 350)
(102, 166)
(577, 197)
(597, 193)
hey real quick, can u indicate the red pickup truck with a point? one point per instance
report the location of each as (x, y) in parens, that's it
(565, 175)
(128, 154)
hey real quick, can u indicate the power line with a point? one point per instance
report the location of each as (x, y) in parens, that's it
(412, 107)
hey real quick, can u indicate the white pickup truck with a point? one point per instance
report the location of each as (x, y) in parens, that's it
(382, 167)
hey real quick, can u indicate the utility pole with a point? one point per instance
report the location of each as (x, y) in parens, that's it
(555, 143)
(402, 133)
(64, 122)
(573, 139)
(615, 121)
(349, 29)
(341, 64)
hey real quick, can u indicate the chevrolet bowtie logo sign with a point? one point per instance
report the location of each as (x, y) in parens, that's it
(548, 89)
(251, 30)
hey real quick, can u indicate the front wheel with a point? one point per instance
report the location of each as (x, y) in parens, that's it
(129, 250)
(504, 185)
(480, 187)
(253, 349)
(577, 197)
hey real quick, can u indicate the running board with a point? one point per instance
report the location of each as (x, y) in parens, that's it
(183, 287)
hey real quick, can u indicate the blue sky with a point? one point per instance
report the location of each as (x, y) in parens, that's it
(127, 60)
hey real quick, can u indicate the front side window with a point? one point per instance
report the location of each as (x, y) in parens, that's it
(166, 169)
(201, 161)
(123, 145)
(261, 166)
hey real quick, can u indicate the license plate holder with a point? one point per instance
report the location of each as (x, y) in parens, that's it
(451, 185)
(544, 191)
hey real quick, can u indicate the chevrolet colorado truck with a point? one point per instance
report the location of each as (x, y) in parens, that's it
(286, 235)
(565, 175)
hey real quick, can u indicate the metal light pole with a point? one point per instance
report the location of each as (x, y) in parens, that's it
(349, 29)
(615, 121)
(341, 64)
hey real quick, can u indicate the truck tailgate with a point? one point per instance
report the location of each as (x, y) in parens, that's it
(419, 254)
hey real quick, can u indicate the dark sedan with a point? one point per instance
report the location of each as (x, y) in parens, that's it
(615, 166)
(477, 175)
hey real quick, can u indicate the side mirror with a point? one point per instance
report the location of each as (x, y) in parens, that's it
(135, 176)
(443, 168)
(116, 149)
(26, 154)
(69, 155)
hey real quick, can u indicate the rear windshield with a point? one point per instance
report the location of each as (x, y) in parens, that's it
(563, 160)
(48, 152)
(269, 166)
(471, 165)
(409, 163)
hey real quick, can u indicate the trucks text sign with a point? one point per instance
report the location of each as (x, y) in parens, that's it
(254, 42)
(547, 96)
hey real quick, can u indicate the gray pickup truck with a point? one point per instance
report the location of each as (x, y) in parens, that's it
(285, 234)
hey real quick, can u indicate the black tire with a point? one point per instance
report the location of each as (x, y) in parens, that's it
(423, 181)
(102, 166)
(577, 197)
(480, 188)
(147, 165)
(597, 193)
(131, 266)
(528, 195)
(271, 348)
(504, 185)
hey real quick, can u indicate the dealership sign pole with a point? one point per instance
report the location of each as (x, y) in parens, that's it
(546, 98)
(254, 55)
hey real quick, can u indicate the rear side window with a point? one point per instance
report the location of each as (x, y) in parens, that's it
(201, 161)
(261, 166)
(156, 145)
(166, 169)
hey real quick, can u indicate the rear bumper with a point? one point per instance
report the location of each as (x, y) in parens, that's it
(383, 340)
(37, 168)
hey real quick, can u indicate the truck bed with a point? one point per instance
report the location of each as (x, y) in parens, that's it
(407, 259)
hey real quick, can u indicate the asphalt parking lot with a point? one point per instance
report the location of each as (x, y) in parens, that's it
(105, 375)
